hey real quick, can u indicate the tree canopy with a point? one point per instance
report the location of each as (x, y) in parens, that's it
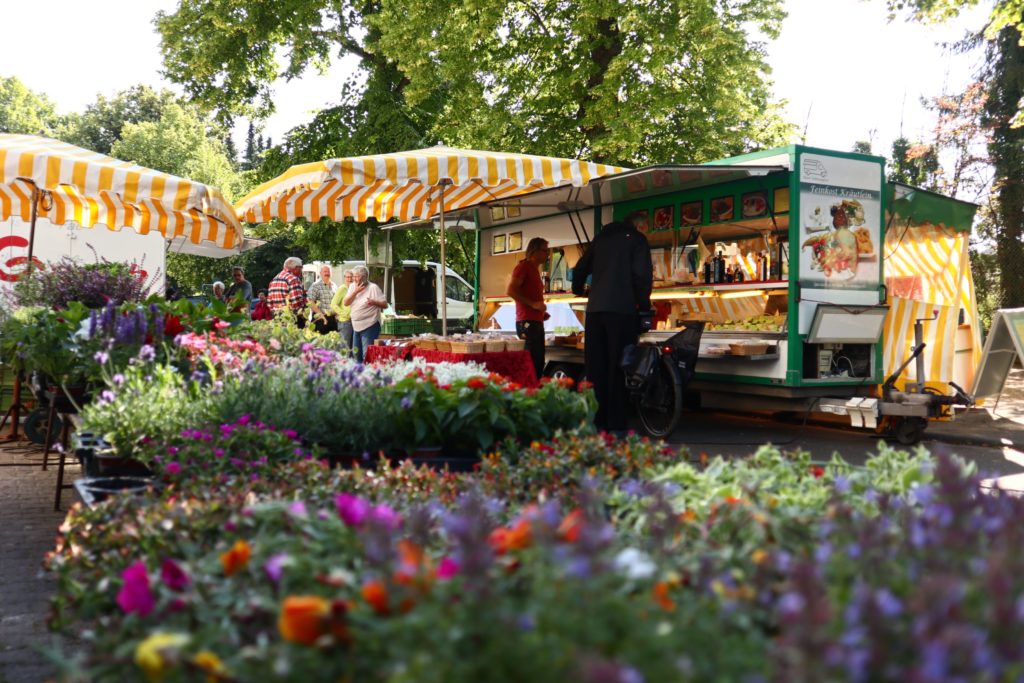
(100, 125)
(620, 81)
(24, 111)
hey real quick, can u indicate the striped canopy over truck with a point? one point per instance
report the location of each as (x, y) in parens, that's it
(407, 185)
(66, 184)
(928, 276)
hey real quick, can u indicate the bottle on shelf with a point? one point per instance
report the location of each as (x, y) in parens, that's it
(738, 273)
(728, 273)
(720, 268)
(707, 270)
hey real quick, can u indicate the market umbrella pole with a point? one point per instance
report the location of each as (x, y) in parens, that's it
(444, 267)
(14, 412)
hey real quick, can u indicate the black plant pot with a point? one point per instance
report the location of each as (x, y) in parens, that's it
(94, 490)
(98, 459)
(446, 458)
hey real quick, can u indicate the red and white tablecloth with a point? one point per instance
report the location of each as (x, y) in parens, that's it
(516, 365)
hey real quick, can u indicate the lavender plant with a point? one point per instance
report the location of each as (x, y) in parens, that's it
(93, 284)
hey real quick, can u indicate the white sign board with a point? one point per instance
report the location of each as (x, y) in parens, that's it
(1004, 344)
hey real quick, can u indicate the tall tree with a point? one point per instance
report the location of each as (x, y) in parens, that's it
(621, 81)
(1003, 76)
(25, 111)
(615, 80)
(184, 143)
(1006, 61)
(249, 162)
(100, 125)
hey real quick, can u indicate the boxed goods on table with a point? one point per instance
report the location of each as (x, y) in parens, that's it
(748, 348)
(494, 345)
(515, 345)
(405, 325)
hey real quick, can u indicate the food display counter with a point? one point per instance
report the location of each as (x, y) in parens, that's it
(780, 253)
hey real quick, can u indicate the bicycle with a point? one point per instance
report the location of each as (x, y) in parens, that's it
(657, 374)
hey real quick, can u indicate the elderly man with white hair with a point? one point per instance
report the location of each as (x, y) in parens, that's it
(286, 290)
(366, 301)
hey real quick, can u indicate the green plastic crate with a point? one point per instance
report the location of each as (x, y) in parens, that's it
(403, 326)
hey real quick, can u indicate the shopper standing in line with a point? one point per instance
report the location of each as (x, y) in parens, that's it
(618, 262)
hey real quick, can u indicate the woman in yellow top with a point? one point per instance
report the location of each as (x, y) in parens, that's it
(343, 312)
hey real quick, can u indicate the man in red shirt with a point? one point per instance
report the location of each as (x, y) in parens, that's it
(527, 290)
(286, 290)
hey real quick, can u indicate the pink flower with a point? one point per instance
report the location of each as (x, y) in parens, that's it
(351, 509)
(297, 509)
(386, 516)
(244, 420)
(173, 467)
(173, 576)
(135, 597)
(447, 568)
(274, 566)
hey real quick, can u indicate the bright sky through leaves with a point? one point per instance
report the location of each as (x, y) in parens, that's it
(839, 57)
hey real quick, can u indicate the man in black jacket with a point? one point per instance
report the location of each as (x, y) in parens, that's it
(619, 261)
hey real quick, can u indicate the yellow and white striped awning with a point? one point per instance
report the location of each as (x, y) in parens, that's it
(91, 189)
(407, 185)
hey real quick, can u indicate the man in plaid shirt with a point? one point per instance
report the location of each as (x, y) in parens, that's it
(286, 290)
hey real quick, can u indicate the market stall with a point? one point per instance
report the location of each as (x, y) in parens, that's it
(810, 301)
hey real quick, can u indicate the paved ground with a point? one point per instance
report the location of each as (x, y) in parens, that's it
(992, 436)
(28, 526)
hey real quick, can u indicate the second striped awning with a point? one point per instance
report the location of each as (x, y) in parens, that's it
(407, 185)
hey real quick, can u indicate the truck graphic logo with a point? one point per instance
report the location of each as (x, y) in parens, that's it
(813, 168)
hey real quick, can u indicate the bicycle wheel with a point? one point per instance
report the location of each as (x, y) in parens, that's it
(660, 401)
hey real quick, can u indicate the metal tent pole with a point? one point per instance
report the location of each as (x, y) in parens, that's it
(444, 267)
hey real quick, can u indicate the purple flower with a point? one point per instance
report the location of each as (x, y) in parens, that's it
(274, 566)
(291, 434)
(791, 604)
(244, 420)
(386, 516)
(135, 597)
(406, 403)
(107, 396)
(297, 509)
(352, 510)
(101, 357)
(173, 576)
(173, 467)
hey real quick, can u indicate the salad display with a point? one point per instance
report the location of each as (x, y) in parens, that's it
(836, 251)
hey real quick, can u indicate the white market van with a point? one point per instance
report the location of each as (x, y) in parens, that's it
(415, 288)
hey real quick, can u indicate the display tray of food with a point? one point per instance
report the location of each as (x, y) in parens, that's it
(750, 350)
(568, 340)
(758, 323)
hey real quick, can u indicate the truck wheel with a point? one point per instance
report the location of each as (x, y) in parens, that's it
(35, 426)
(909, 430)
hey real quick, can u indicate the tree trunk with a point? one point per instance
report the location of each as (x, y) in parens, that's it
(607, 45)
(1006, 87)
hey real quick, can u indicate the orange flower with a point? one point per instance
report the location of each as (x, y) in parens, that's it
(660, 593)
(236, 557)
(303, 618)
(414, 564)
(569, 529)
(515, 537)
(375, 593)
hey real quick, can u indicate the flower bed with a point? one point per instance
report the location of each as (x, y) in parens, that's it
(331, 574)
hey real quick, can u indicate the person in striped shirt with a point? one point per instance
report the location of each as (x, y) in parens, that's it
(286, 290)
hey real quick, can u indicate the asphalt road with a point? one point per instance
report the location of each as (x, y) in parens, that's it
(738, 435)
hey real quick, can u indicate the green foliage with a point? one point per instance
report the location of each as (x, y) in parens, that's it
(226, 58)
(628, 83)
(25, 111)
(100, 125)
(182, 143)
(148, 401)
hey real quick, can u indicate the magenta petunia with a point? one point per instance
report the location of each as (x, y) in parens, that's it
(351, 509)
(173, 467)
(135, 597)
(447, 568)
(173, 575)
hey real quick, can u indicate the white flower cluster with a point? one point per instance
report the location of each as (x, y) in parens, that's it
(446, 373)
